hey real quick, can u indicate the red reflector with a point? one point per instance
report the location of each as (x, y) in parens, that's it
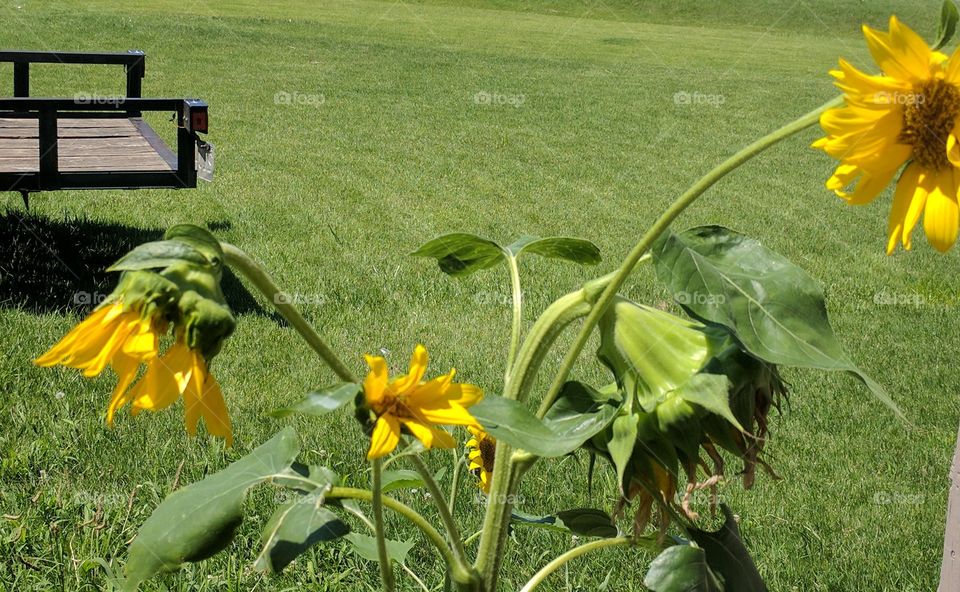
(198, 121)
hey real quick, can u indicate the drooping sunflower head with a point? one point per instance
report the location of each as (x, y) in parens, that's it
(480, 453)
(412, 405)
(908, 115)
(125, 333)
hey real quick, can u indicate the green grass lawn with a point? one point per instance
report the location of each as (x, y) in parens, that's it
(389, 145)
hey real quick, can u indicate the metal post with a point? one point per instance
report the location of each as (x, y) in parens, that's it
(49, 165)
(136, 70)
(186, 149)
(21, 79)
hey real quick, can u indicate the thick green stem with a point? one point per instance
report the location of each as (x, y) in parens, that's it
(432, 534)
(661, 224)
(386, 568)
(570, 555)
(517, 301)
(543, 333)
(240, 261)
(462, 571)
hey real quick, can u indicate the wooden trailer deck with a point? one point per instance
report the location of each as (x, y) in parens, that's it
(92, 142)
(88, 144)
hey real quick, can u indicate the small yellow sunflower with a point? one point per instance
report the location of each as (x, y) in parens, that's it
(481, 454)
(909, 114)
(419, 406)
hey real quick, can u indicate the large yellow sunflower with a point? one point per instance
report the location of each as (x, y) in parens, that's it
(481, 450)
(419, 406)
(909, 114)
(123, 338)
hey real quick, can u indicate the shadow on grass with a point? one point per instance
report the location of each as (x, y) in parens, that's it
(58, 265)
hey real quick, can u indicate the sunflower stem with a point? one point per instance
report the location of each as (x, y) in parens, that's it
(517, 301)
(561, 560)
(242, 262)
(455, 484)
(453, 533)
(658, 228)
(432, 534)
(386, 568)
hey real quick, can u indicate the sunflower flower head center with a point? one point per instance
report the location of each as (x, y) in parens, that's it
(928, 119)
(487, 447)
(394, 404)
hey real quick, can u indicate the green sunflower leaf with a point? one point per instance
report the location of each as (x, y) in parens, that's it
(295, 527)
(158, 255)
(321, 402)
(461, 254)
(589, 522)
(401, 479)
(200, 520)
(575, 250)
(683, 568)
(948, 23)
(579, 414)
(728, 557)
(366, 547)
(772, 307)
(199, 238)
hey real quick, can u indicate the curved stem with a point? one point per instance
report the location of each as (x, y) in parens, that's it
(432, 534)
(570, 555)
(661, 224)
(239, 260)
(453, 532)
(386, 568)
(455, 484)
(517, 301)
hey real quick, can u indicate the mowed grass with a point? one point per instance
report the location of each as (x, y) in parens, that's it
(389, 145)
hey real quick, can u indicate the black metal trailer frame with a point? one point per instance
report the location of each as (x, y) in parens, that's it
(191, 117)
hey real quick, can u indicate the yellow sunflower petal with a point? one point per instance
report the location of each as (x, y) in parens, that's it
(214, 410)
(143, 340)
(953, 146)
(190, 382)
(126, 368)
(941, 218)
(385, 437)
(162, 384)
(418, 367)
(908, 201)
(429, 435)
(952, 72)
(464, 395)
(376, 381)
(868, 186)
(447, 415)
(866, 88)
(901, 53)
(62, 348)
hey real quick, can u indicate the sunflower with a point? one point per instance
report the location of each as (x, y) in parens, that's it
(419, 406)
(481, 453)
(125, 332)
(908, 115)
